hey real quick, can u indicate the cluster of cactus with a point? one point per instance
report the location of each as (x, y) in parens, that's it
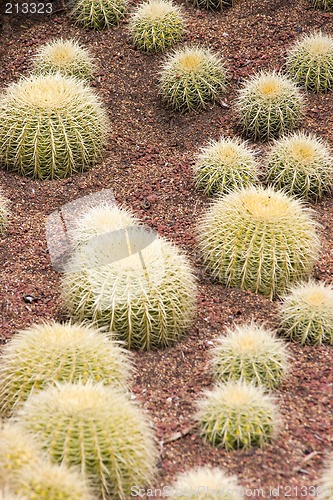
(25, 469)
(191, 78)
(310, 62)
(306, 314)
(3, 212)
(66, 57)
(237, 414)
(259, 239)
(225, 165)
(251, 353)
(52, 352)
(268, 105)
(213, 4)
(98, 14)
(205, 483)
(133, 282)
(51, 126)
(156, 25)
(97, 430)
(322, 4)
(302, 165)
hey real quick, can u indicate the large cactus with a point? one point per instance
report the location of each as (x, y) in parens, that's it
(98, 430)
(51, 127)
(259, 239)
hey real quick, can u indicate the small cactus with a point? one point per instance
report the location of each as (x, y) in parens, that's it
(322, 4)
(225, 165)
(251, 353)
(98, 430)
(306, 314)
(310, 62)
(269, 105)
(156, 25)
(98, 14)
(213, 4)
(205, 483)
(237, 415)
(100, 220)
(191, 78)
(52, 482)
(302, 165)
(325, 487)
(133, 282)
(51, 127)
(3, 212)
(259, 239)
(17, 450)
(64, 56)
(47, 353)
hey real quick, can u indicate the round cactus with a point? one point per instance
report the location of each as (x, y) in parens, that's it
(134, 283)
(251, 353)
(51, 127)
(306, 314)
(97, 429)
(3, 212)
(52, 352)
(322, 4)
(213, 4)
(191, 78)
(268, 105)
(66, 57)
(98, 14)
(237, 415)
(99, 220)
(52, 482)
(259, 239)
(325, 488)
(302, 165)
(17, 450)
(205, 483)
(310, 62)
(156, 25)
(224, 165)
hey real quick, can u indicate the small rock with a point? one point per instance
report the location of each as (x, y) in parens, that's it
(29, 299)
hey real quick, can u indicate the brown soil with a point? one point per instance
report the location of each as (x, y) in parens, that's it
(148, 165)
